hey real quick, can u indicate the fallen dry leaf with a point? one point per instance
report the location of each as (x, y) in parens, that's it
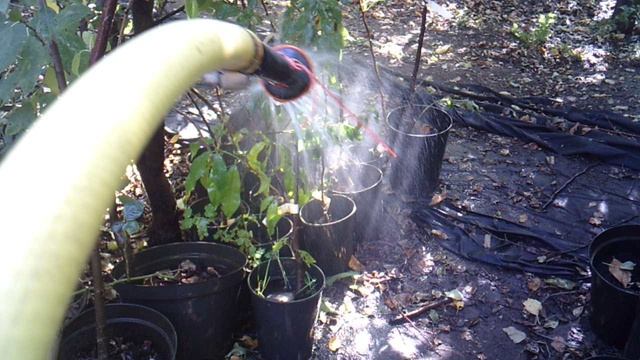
(334, 343)
(623, 276)
(558, 344)
(532, 306)
(441, 50)
(355, 264)
(437, 199)
(577, 311)
(551, 324)
(534, 284)
(561, 283)
(439, 234)
(514, 334)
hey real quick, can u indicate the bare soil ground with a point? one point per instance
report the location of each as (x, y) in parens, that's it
(406, 267)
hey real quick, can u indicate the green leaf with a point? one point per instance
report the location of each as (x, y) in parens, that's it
(191, 8)
(215, 183)
(132, 208)
(230, 190)
(20, 119)
(80, 62)
(13, 37)
(131, 227)
(273, 216)
(50, 80)
(306, 258)
(254, 153)
(197, 171)
(25, 75)
(69, 18)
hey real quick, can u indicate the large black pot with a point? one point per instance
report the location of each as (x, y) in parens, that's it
(204, 314)
(331, 242)
(362, 182)
(285, 329)
(418, 134)
(613, 308)
(134, 323)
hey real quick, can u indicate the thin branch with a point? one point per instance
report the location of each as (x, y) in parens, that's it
(124, 22)
(266, 12)
(416, 64)
(104, 30)
(373, 59)
(567, 183)
(177, 11)
(98, 302)
(419, 311)
(54, 52)
(204, 119)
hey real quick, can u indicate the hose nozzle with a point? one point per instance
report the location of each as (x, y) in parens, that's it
(285, 72)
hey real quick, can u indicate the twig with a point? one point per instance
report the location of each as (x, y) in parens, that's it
(98, 302)
(419, 311)
(567, 183)
(373, 59)
(169, 15)
(125, 280)
(54, 52)
(416, 64)
(123, 23)
(104, 30)
(559, 293)
(266, 12)
(204, 119)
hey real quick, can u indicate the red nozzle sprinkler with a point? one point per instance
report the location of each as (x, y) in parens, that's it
(286, 72)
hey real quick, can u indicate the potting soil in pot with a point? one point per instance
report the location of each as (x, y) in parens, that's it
(186, 273)
(122, 349)
(203, 305)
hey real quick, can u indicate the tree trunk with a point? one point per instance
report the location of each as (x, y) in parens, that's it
(623, 18)
(164, 226)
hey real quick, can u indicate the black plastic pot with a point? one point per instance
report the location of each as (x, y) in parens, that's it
(418, 134)
(134, 323)
(204, 314)
(284, 229)
(330, 241)
(361, 183)
(366, 154)
(285, 329)
(613, 308)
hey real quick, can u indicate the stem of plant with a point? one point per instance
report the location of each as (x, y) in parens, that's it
(98, 302)
(373, 59)
(295, 239)
(416, 64)
(97, 53)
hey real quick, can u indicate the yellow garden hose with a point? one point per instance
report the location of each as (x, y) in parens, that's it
(59, 178)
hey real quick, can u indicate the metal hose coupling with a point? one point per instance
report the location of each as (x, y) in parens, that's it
(286, 72)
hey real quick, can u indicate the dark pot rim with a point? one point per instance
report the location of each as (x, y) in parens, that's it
(315, 267)
(438, 133)
(605, 238)
(376, 183)
(352, 213)
(380, 156)
(154, 320)
(287, 234)
(198, 287)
